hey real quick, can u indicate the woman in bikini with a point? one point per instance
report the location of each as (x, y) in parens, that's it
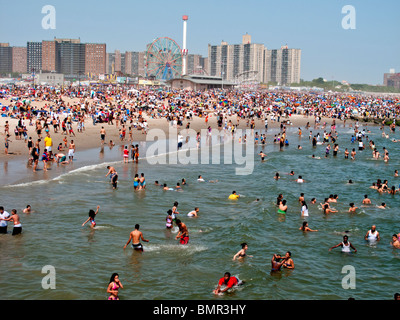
(242, 252)
(113, 287)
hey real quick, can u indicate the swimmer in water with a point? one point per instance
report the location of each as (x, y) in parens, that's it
(282, 207)
(395, 241)
(135, 236)
(262, 155)
(113, 287)
(228, 281)
(352, 208)
(234, 196)
(113, 176)
(183, 233)
(382, 206)
(345, 244)
(328, 210)
(289, 264)
(200, 178)
(28, 209)
(372, 234)
(366, 200)
(276, 263)
(193, 213)
(242, 252)
(305, 227)
(92, 215)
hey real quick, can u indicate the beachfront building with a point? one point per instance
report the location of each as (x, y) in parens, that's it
(5, 58)
(196, 64)
(67, 56)
(95, 58)
(131, 63)
(230, 61)
(391, 79)
(282, 66)
(34, 57)
(254, 62)
(199, 82)
(19, 63)
(70, 57)
(49, 78)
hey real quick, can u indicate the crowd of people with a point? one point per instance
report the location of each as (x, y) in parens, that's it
(128, 110)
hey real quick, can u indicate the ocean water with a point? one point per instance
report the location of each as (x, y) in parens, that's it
(84, 259)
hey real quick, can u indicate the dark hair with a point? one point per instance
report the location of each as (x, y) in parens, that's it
(177, 221)
(113, 277)
(243, 244)
(91, 213)
(303, 227)
(137, 226)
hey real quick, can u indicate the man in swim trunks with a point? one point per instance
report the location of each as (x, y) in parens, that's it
(183, 233)
(15, 219)
(102, 135)
(60, 158)
(113, 176)
(228, 281)
(136, 236)
(71, 150)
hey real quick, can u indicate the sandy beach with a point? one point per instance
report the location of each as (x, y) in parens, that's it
(90, 137)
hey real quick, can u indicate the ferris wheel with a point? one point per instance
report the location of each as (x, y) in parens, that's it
(164, 59)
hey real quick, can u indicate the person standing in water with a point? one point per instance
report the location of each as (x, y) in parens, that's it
(113, 176)
(92, 215)
(183, 233)
(113, 287)
(277, 262)
(15, 219)
(345, 244)
(242, 252)
(305, 227)
(135, 236)
(372, 234)
(282, 207)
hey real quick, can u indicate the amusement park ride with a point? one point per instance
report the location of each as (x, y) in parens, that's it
(165, 60)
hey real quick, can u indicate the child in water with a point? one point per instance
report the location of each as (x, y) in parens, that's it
(92, 215)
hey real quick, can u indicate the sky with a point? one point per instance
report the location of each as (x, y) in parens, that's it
(360, 55)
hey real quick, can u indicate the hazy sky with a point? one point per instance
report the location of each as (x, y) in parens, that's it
(360, 55)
